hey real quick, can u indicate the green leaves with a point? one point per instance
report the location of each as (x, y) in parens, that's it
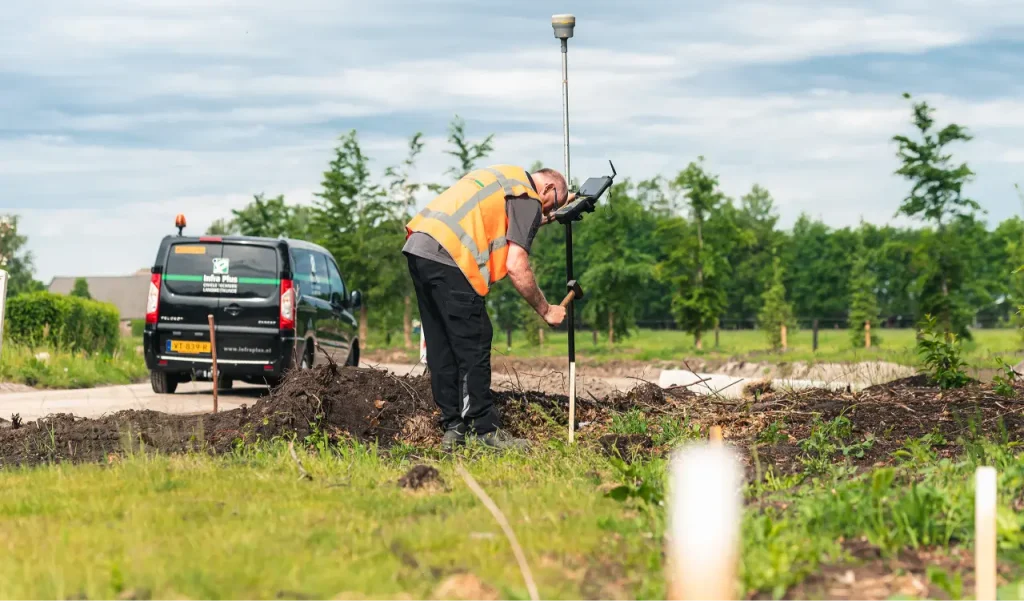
(941, 353)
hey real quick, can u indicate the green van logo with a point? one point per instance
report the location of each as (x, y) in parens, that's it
(220, 266)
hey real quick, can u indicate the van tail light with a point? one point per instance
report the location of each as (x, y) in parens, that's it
(153, 302)
(287, 305)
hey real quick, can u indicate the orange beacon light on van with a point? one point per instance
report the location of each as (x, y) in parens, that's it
(179, 222)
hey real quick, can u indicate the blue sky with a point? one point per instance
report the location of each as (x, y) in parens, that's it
(115, 116)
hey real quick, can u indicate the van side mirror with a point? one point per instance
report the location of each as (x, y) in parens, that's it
(356, 299)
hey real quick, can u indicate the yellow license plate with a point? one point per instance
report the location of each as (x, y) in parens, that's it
(189, 347)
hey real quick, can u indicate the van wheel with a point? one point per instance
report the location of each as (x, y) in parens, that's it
(307, 357)
(225, 383)
(163, 382)
(353, 354)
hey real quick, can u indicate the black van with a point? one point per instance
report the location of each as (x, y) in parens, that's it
(272, 300)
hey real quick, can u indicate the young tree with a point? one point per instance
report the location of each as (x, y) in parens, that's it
(863, 302)
(775, 310)
(937, 197)
(15, 260)
(402, 190)
(81, 289)
(696, 265)
(265, 217)
(508, 309)
(355, 224)
(751, 257)
(616, 268)
(466, 153)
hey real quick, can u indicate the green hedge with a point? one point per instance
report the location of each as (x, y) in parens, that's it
(138, 327)
(63, 322)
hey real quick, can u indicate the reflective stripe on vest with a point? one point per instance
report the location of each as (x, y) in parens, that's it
(501, 182)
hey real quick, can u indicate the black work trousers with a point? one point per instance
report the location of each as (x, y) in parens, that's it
(458, 338)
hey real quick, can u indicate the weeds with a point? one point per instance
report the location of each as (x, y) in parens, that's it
(941, 352)
(773, 434)
(633, 421)
(827, 439)
(1004, 382)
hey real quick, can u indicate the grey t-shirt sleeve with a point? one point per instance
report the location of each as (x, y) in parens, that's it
(524, 216)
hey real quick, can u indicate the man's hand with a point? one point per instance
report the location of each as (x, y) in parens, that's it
(555, 315)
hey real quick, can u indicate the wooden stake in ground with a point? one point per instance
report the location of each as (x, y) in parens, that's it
(704, 516)
(213, 351)
(782, 330)
(985, 533)
(867, 334)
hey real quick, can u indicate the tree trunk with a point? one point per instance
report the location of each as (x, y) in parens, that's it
(594, 331)
(697, 342)
(364, 329)
(540, 333)
(611, 328)
(508, 339)
(407, 322)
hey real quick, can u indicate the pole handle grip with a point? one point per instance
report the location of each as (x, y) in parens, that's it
(568, 299)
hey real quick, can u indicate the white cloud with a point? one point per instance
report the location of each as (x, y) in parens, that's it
(134, 112)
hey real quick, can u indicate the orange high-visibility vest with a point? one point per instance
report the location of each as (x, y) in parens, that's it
(469, 221)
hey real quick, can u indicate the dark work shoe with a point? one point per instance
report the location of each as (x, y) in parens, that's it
(452, 438)
(503, 441)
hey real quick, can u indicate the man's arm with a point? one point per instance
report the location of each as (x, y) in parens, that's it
(521, 274)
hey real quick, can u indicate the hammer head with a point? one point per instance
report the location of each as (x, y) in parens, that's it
(574, 286)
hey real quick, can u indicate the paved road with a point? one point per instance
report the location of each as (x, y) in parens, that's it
(191, 397)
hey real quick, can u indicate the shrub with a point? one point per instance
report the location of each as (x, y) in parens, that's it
(63, 322)
(941, 352)
(138, 327)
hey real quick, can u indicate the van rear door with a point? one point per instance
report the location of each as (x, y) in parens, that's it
(183, 329)
(249, 287)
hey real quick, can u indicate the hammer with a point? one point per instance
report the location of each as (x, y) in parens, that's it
(574, 292)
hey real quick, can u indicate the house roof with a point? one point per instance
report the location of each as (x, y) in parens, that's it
(127, 292)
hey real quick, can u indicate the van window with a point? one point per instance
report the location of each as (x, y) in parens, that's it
(308, 276)
(221, 270)
(337, 285)
(250, 272)
(187, 263)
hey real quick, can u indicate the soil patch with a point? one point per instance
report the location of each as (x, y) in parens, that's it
(420, 476)
(375, 405)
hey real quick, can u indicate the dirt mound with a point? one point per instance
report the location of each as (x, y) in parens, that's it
(420, 476)
(336, 402)
(328, 400)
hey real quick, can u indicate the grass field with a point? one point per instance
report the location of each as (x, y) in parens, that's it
(245, 526)
(20, 365)
(896, 346)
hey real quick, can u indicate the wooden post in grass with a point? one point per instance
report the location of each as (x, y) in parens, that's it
(867, 334)
(213, 352)
(814, 343)
(782, 329)
(704, 522)
(716, 333)
(985, 533)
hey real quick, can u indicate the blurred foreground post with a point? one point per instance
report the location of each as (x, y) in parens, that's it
(213, 350)
(704, 521)
(985, 533)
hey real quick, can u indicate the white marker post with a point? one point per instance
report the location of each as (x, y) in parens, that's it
(985, 534)
(3, 306)
(704, 522)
